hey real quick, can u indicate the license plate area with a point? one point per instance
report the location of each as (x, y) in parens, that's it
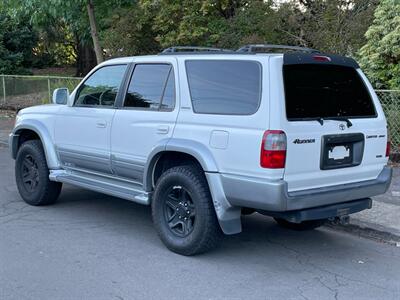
(341, 151)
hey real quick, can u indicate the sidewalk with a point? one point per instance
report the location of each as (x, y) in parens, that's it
(6, 124)
(381, 222)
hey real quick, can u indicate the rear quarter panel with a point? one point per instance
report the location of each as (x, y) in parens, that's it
(234, 140)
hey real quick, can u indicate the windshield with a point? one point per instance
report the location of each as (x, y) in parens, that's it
(325, 91)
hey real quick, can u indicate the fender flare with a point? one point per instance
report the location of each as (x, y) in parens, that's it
(199, 151)
(228, 215)
(44, 135)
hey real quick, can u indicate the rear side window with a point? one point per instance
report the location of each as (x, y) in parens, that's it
(323, 91)
(224, 86)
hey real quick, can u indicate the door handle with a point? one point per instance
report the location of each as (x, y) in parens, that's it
(163, 129)
(101, 124)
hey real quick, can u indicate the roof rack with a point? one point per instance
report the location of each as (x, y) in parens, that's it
(254, 47)
(193, 49)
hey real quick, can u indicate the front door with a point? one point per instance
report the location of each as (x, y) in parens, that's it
(146, 117)
(82, 131)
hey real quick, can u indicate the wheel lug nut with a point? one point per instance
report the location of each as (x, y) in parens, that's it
(186, 204)
(188, 211)
(185, 219)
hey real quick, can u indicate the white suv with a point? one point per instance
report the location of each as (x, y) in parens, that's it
(205, 135)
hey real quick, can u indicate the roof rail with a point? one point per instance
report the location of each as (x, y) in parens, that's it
(193, 49)
(254, 47)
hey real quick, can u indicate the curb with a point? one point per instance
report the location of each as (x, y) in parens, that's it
(368, 231)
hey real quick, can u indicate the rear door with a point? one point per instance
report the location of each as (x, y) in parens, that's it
(147, 116)
(335, 127)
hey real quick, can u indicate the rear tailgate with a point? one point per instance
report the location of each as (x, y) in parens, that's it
(323, 152)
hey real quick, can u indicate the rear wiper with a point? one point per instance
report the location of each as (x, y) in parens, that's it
(348, 122)
(318, 119)
(321, 120)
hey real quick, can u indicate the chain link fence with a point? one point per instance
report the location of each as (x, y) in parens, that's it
(390, 101)
(18, 91)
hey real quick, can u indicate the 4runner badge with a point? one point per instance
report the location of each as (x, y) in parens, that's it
(306, 141)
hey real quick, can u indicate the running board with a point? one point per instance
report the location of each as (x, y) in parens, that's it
(106, 185)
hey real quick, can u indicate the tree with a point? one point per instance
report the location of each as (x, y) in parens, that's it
(334, 26)
(68, 24)
(198, 23)
(16, 42)
(129, 31)
(180, 22)
(94, 33)
(254, 23)
(84, 31)
(380, 56)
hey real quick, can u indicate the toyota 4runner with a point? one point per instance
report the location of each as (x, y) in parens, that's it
(204, 135)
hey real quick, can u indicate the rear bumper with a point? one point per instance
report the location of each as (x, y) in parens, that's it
(273, 196)
(323, 212)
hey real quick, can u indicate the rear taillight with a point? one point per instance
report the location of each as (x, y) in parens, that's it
(388, 144)
(273, 149)
(388, 148)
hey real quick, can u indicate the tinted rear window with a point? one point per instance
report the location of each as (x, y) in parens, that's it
(224, 86)
(314, 91)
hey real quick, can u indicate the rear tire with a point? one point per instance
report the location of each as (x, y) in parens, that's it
(32, 175)
(305, 225)
(183, 211)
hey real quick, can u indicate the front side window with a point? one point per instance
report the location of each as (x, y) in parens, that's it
(229, 87)
(152, 86)
(101, 88)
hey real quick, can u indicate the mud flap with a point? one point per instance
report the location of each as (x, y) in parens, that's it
(228, 215)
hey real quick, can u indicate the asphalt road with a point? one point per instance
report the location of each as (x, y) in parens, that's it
(91, 246)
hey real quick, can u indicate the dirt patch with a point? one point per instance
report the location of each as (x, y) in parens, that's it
(60, 71)
(7, 114)
(15, 103)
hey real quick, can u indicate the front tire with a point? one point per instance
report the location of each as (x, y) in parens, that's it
(302, 226)
(183, 212)
(32, 175)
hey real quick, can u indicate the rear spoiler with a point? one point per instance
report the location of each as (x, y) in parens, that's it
(297, 58)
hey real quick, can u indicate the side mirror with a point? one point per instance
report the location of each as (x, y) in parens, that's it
(60, 96)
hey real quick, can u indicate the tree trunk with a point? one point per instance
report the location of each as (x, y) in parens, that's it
(85, 57)
(94, 33)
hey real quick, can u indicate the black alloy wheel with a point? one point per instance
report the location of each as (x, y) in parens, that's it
(183, 211)
(30, 173)
(179, 211)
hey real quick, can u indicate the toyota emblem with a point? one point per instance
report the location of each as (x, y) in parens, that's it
(342, 127)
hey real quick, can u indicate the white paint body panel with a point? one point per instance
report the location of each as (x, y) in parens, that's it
(85, 130)
(136, 131)
(240, 152)
(233, 140)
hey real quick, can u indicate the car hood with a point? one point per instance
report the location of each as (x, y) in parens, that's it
(40, 109)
